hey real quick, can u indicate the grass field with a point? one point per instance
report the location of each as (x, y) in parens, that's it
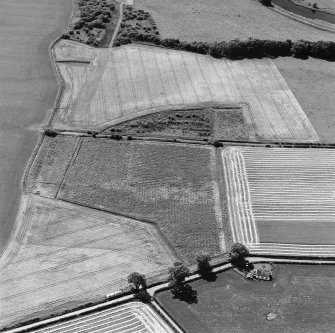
(300, 299)
(281, 200)
(50, 165)
(133, 317)
(173, 185)
(137, 80)
(312, 82)
(218, 20)
(64, 255)
(28, 89)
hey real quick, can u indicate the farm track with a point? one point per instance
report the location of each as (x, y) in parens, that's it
(136, 80)
(277, 192)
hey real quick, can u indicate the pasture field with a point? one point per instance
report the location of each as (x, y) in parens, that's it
(28, 90)
(63, 255)
(50, 165)
(312, 82)
(172, 185)
(281, 200)
(223, 20)
(300, 299)
(132, 317)
(130, 81)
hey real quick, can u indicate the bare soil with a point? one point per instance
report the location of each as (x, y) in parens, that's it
(312, 82)
(28, 90)
(218, 20)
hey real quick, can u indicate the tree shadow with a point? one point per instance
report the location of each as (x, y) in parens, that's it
(209, 276)
(185, 293)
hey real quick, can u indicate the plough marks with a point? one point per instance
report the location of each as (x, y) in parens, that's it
(281, 200)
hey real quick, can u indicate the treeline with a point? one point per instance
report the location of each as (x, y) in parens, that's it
(240, 49)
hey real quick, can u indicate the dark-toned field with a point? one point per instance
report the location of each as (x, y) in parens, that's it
(312, 82)
(28, 89)
(218, 20)
(173, 185)
(301, 298)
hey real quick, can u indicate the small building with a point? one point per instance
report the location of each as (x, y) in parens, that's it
(262, 272)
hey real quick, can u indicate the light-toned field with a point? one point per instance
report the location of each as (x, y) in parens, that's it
(133, 317)
(63, 255)
(74, 51)
(50, 165)
(133, 80)
(222, 20)
(281, 200)
(28, 90)
(172, 185)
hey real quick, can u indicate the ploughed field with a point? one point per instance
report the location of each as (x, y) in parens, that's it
(281, 200)
(172, 185)
(300, 299)
(123, 83)
(132, 317)
(62, 256)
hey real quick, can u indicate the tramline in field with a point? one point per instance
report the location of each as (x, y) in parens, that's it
(281, 200)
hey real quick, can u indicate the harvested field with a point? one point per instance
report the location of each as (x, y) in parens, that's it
(222, 20)
(299, 299)
(312, 82)
(63, 255)
(133, 317)
(281, 200)
(138, 80)
(173, 185)
(50, 165)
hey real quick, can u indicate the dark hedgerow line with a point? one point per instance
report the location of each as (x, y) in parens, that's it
(240, 49)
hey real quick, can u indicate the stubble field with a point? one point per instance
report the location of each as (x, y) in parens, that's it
(171, 185)
(137, 80)
(63, 255)
(281, 201)
(222, 20)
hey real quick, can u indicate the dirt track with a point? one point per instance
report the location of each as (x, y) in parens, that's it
(28, 89)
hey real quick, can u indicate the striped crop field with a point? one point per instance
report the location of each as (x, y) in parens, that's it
(172, 185)
(282, 200)
(132, 317)
(123, 83)
(62, 255)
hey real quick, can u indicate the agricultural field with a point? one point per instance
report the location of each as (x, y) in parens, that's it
(28, 90)
(300, 299)
(63, 255)
(133, 317)
(312, 82)
(138, 80)
(214, 123)
(172, 185)
(281, 200)
(50, 165)
(223, 20)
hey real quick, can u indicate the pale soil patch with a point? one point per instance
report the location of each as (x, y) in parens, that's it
(281, 201)
(50, 165)
(222, 20)
(63, 255)
(133, 317)
(173, 185)
(312, 82)
(131, 81)
(68, 50)
(28, 89)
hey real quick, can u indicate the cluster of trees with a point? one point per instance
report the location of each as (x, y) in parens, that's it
(239, 49)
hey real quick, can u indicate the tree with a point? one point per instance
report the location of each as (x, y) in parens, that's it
(178, 273)
(238, 253)
(203, 263)
(137, 280)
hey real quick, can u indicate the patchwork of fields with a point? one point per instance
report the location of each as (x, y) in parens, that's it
(126, 82)
(133, 317)
(281, 200)
(64, 255)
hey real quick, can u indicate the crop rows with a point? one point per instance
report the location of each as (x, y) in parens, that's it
(133, 317)
(287, 194)
(129, 81)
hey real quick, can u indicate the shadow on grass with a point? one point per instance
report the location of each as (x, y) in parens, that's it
(209, 276)
(185, 293)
